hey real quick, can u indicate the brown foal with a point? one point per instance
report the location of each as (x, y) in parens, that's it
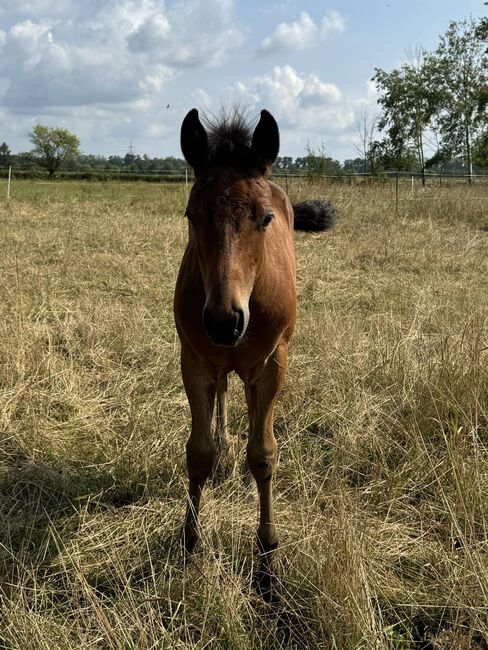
(235, 304)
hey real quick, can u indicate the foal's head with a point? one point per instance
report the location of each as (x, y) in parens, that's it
(229, 211)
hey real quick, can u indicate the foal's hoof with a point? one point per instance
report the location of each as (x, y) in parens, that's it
(266, 580)
(266, 586)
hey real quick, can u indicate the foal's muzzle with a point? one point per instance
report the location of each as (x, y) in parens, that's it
(223, 326)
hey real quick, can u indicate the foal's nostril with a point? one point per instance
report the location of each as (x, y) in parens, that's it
(207, 319)
(223, 326)
(240, 322)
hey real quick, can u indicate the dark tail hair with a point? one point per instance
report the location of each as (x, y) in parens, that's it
(314, 215)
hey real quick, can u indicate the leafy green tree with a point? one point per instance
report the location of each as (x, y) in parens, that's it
(117, 161)
(482, 32)
(5, 155)
(318, 162)
(393, 155)
(283, 164)
(409, 101)
(480, 150)
(460, 74)
(353, 165)
(53, 146)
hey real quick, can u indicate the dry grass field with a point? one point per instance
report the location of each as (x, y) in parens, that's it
(382, 481)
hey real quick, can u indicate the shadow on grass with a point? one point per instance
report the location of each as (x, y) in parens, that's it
(41, 505)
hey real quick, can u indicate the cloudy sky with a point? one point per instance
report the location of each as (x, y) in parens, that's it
(116, 71)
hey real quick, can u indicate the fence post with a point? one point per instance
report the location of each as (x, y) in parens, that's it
(412, 186)
(396, 193)
(8, 184)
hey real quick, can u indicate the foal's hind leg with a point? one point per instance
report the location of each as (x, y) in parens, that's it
(224, 464)
(200, 449)
(261, 394)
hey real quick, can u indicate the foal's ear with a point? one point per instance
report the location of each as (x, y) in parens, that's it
(266, 139)
(194, 141)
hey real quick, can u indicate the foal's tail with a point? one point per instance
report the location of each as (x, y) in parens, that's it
(314, 215)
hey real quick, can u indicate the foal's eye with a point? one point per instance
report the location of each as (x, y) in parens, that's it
(267, 219)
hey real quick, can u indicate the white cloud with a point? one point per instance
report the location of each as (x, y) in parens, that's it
(302, 34)
(108, 52)
(369, 95)
(332, 23)
(307, 108)
(299, 101)
(294, 36)
(318, 93)
(202, 98)
(34, 7)
(151, 35)
(204, 31)
(155, 81)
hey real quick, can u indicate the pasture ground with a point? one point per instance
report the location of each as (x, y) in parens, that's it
(382, 482)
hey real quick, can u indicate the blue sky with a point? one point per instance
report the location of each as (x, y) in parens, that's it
(116, 71)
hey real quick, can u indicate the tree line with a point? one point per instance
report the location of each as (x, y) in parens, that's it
(432, 117)
(57, 150)
(433, 108)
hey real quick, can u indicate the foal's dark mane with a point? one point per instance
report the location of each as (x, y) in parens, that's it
(229, 139)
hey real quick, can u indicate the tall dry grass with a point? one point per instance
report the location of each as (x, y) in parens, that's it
(381, 489)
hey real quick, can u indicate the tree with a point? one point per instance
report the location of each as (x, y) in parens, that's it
(393, 155)
(283, 164)
(461, 61)
(480, 150)
(129, 159)
(409, 102)
(318, 162)
(353, 165)
(482, 32)
(53, 147)
(365, 129)
(5, 155)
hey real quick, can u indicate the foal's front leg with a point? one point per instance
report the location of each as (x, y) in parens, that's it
(200, 389)
(224, 461)
(261, 394)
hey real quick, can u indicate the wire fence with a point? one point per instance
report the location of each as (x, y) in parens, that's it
(100, 174)
(396, 189)
(405, 185)
(182, 174)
